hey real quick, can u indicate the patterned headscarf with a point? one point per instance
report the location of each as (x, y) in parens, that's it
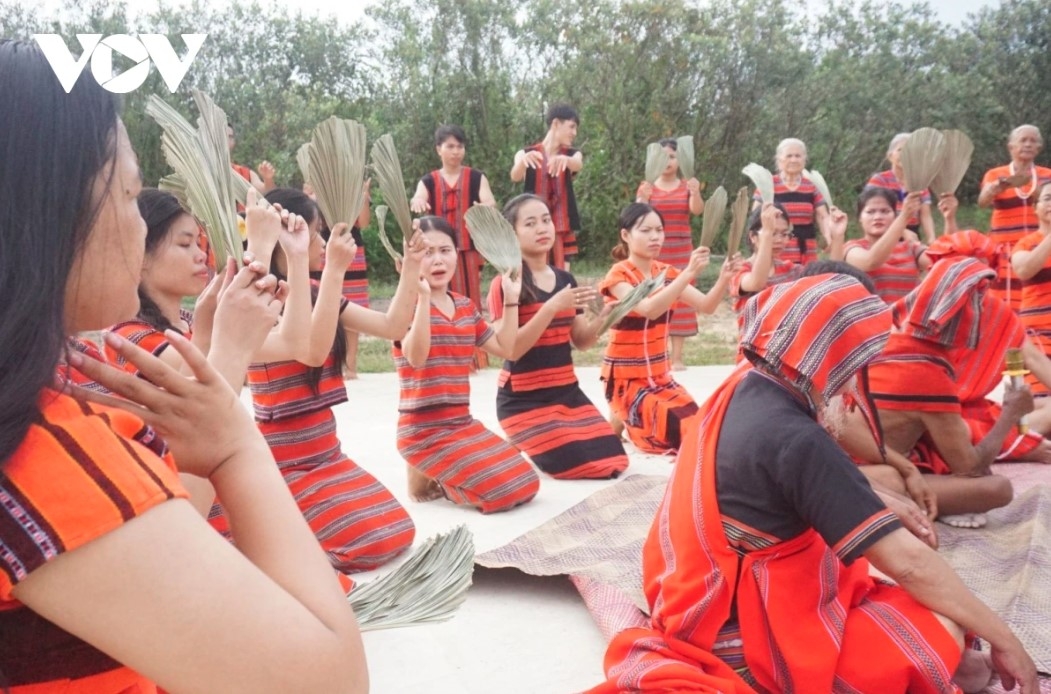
(966, 244)
(816, 332)
(946, 306)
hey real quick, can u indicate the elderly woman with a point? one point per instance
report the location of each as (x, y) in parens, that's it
(801, 199)
(756, 567)
(893, 179)
(1011, 191)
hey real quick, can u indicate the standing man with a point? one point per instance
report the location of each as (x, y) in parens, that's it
(1011, 191)
(548, 168)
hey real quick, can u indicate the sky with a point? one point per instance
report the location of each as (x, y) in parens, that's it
(952, 12)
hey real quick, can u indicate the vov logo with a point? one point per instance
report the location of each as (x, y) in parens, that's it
(141, 50)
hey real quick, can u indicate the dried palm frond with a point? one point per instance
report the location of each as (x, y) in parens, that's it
(921, 158)
(955, 162)
(763, 180)
(174, 184)
(738, 219)
(712, 221)
(632, 299)
(819, 182)
(494, 238)
(428, 587)
(656, 161)
(381, 220)
(687, 161)
(201, 160)
(392, 184)
(335, 168)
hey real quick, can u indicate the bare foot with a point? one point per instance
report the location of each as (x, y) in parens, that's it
(421, 487)
(350, 375)
(965, 520)
(618, 426)
(1042, 453)
(975, 672)
(678, 366)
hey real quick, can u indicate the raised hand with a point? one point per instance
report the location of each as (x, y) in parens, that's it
(419, 206)
(512, 288)
(838, 226)
(341, 249)
(267, 172)
(295, 236)
(557, 164)
(533, 159)
(262, 221)
(644, 191)
(200, 418)
(910, 207)
(699, 259)
(415, 247)
(694, 186)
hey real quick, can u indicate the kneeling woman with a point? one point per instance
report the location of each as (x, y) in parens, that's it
(639, 387)
(358, 522)
(449, 452)
(539, 402)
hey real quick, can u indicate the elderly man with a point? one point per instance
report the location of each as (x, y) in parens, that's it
(756, 566)
(1011, 191)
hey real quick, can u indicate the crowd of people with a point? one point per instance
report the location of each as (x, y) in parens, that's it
(857, 415)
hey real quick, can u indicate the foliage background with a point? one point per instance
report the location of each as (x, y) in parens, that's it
(739, 75)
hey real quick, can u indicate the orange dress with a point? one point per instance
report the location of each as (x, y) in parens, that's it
(80, 472)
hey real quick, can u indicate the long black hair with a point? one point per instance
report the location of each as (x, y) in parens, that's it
(159, 210)
(297, 202)
(530, 292)
(53, 147)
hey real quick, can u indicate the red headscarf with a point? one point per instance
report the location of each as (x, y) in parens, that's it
(816, 332)
(966, 244)
(946, 306)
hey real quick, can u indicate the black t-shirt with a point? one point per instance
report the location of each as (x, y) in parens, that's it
(778, 473)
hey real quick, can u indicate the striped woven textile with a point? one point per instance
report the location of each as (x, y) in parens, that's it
(887, 179)
(557, 194)
(539, 402)
(474, 466)
(900, 274)
(452, 202)
(862, 635)
(1014, 217)
(436, 433)
(639, 387)
(80, 472)
(139, 332)
(357, 521)
(64, 374)
(795, 330)
(443, 381)
(801, 204)
(674, 207)
(946, 307)
(1034, 305)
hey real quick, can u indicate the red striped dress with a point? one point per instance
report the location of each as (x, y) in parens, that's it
(674, 207)
(1014, 216)
(900, 274)
(539, 402)
(80, 472)
(451, 202)
(436, 432)
(887, 179)
(784, 271)
(1035, 305)
(801, 203)
(639, 387)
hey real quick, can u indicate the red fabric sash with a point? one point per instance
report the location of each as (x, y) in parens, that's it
(452, 203)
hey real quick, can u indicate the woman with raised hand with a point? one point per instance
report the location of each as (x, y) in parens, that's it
(96, 526)
(539, 402)
(807, 209)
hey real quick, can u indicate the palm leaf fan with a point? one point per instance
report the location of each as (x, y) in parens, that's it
(494, 238)
(687, 161)
(381, 220)
(763, 180)
(712, 221)
(428, 587)
(631, 300)
(392, 184)
(656, 161)
(335, 168)
(303, 161)
(174, 184)
(921, 158)
(956, 161)
(819, 182)
(738, 219)
(201, 160)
